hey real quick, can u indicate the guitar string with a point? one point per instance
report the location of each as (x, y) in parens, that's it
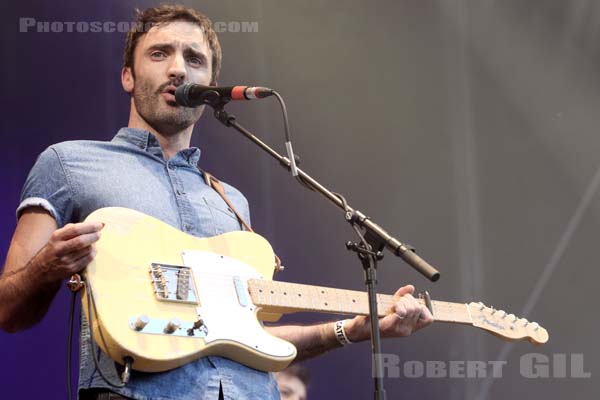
(384, 300)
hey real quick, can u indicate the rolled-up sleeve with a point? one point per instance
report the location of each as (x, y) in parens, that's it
(48, 186)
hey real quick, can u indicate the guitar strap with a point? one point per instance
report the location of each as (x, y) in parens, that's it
(218, 187)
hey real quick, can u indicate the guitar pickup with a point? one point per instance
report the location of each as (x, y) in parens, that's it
(173, 283)
(241, 291)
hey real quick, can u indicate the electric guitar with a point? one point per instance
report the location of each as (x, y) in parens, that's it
(165, 298)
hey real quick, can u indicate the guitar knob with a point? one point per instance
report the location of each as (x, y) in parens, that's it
(172, 325)
(141, 322)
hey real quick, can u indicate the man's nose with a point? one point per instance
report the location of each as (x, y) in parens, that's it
(177, 68)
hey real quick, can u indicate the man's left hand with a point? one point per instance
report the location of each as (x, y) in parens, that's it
(405, 317)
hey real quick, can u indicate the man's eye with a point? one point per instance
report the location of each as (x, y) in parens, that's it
(157, 54)
(195, 60)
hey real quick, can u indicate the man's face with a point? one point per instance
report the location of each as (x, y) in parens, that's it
(290, 387)
(164, 58)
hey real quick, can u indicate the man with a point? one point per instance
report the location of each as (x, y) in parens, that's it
(150, 167)
(292, 382)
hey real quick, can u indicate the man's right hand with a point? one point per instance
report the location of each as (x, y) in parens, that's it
(39, 258)
(69, 250)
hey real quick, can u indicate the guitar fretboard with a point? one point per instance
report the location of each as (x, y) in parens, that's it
(284, 298)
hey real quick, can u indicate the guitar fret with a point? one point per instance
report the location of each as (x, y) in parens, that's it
(342, 301)
(335, 301)
(451, 312)
(348, 302)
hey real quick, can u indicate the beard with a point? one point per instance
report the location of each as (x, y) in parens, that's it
(168, 118)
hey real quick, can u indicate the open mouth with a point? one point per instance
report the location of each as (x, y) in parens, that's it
(169, 94)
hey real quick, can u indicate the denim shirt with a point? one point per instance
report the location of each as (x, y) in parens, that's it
(72, 179)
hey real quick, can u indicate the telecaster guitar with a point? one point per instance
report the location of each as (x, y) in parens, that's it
(165, 298)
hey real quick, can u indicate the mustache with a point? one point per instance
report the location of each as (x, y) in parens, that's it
(163, 86)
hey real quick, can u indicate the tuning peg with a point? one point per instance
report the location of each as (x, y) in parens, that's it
(481, 306)
(525, 322)
(535, 325)
(502, 313)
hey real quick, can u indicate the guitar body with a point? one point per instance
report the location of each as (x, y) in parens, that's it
(138, 268)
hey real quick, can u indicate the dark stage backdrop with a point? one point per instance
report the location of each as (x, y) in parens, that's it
(466, 128)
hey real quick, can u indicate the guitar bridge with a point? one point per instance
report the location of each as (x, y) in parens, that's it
(173, 283)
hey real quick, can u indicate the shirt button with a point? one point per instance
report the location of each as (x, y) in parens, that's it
(187, 227)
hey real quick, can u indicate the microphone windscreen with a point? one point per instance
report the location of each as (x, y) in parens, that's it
(181, 94)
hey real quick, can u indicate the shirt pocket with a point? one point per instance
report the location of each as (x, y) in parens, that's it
(223, 218)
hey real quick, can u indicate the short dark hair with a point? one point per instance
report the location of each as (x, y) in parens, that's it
(298, 371)
(165, 14)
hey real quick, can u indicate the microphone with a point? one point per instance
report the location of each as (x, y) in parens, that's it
(194, 95)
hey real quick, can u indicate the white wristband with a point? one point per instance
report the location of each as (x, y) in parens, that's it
(340, 333)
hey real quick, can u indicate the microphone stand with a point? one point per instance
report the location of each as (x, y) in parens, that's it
(369, 250)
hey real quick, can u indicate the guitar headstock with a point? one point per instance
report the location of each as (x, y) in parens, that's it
(507, 326)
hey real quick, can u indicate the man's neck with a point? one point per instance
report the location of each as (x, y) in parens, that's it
(170, 144)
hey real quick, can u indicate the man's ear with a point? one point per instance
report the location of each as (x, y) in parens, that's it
(127, 80)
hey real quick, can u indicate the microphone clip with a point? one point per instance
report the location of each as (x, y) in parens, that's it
(214, 99)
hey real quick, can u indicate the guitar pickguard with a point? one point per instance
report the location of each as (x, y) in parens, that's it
(225, 306)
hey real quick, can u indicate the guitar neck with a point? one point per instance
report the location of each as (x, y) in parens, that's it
(286, 298)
